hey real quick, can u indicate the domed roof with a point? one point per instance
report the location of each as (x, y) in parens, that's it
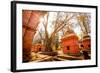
(69, 33)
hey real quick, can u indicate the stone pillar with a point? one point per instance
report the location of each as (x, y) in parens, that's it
(30, 22)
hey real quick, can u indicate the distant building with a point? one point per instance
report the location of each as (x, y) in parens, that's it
(37, 48)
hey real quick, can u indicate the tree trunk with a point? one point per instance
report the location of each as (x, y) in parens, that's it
(48, 46)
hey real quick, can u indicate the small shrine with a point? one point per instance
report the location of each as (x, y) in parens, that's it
(70, 43)
(37, 48)
(86, 43)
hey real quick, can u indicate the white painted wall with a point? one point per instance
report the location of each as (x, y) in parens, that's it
(5, 36)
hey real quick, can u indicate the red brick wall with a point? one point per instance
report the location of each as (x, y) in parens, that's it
(72, 42)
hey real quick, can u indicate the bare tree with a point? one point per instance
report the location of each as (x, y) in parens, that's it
(59, 24)
(84, 21)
